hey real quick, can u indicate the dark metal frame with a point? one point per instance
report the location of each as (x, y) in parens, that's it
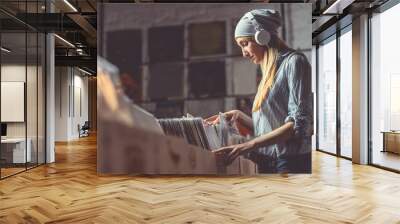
(45, 90)
(369, 114)
(26, 89)
(316, 97)
(0, 94)
(338, 98)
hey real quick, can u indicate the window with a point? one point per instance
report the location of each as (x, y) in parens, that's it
(124, 49)
(165, 74)
(211, 75)
(346, 93)
(166, 43)
(385, 84)
(207, 38)
(327, 96)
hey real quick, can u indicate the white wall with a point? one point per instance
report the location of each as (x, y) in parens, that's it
(80, 104)
(15, 73)
(33, 126)
(71, 102)
(61, 103)
(12, 73)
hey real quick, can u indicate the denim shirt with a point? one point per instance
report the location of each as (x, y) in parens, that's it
(289, 99)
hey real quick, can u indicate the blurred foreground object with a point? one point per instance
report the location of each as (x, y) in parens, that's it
(131, 141)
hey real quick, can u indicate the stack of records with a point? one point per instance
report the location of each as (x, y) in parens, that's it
(193, 130)
(196, 132)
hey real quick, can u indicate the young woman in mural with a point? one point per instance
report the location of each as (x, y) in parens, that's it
(282, 113)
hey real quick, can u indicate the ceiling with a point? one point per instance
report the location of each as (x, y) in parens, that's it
(76, 22)
(73, 20)
(330, 15)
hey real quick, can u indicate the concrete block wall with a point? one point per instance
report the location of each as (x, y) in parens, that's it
(183, 58)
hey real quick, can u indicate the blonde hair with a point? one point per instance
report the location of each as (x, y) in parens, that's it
(268, 69)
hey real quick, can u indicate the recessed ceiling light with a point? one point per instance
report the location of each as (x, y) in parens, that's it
(5, 50)
(337, 7)
(84, 71)
(70, 5)
(65, 41)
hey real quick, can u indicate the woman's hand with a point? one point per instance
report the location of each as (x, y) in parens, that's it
(230, 153)
(243, 122)
(231, 116)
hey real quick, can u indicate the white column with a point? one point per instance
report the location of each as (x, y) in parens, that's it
(360, 90)
(314, 90)
(50, 94)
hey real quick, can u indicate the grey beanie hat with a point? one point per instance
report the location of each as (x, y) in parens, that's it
(266, 19)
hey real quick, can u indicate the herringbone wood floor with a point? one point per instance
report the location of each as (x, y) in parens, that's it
(70, 191)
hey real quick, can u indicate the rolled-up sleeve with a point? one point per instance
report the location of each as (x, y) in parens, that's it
(300, 103)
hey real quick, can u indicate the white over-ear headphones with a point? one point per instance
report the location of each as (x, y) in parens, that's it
(262, 37)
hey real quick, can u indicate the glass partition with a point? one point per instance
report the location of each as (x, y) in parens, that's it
(22, 91)
(41, 109)
(14, 153)
(31, 98)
